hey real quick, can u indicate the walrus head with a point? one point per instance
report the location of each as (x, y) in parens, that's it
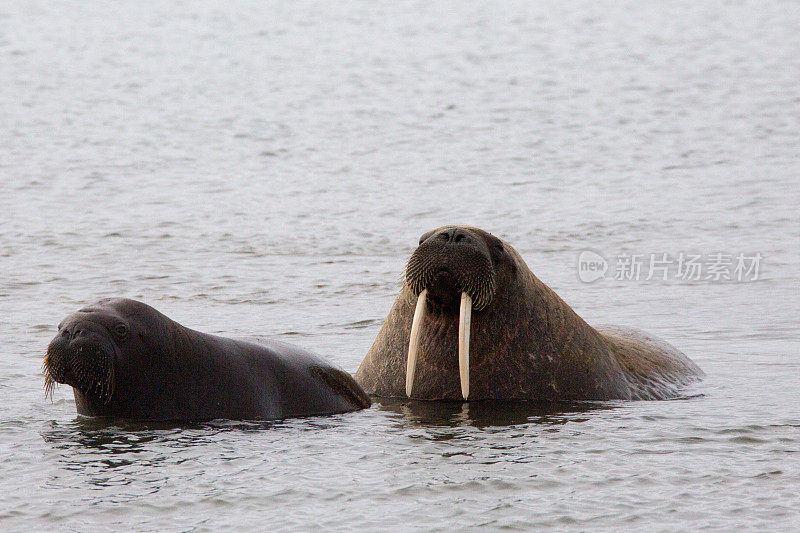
(454, 271)
(84, 353)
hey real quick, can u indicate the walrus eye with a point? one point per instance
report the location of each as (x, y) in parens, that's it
(121, 330)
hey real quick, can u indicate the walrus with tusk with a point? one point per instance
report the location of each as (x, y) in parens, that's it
(472, 322)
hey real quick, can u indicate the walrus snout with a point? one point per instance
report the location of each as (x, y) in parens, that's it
(455, 235)
(449, 262)
(80, 355)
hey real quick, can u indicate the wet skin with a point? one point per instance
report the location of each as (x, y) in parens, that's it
(125, 359)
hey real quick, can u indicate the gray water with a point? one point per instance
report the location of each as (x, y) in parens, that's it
(264, 169)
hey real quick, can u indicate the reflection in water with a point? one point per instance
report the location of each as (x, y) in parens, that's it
(485, 414)
(117, 435)
(98, 453)
(107, 452)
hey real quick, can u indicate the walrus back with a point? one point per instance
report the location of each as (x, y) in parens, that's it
(306, 384)
(655, 369)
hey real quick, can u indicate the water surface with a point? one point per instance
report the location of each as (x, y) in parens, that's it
(264, 170)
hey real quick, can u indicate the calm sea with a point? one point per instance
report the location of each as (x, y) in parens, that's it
(264, 169)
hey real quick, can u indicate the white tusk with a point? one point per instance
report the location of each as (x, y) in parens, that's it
(464, 323)
(413, 344)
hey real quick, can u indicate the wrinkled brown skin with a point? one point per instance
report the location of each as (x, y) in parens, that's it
(165, 371)
(528, 344)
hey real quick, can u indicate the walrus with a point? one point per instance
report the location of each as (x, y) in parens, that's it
(124, 359)
(472, 322)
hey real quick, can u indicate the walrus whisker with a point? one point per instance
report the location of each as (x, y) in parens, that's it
(49, 385)
(49, 382)
(110, 380)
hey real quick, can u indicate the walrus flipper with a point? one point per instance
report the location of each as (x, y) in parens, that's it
(344, 384)
(655, 369)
